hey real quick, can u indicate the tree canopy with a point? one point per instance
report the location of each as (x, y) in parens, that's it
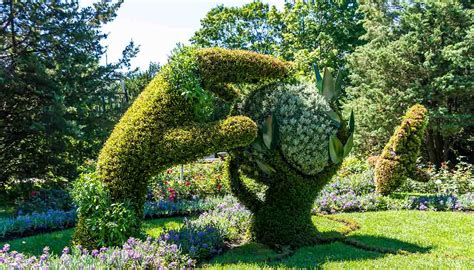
(57, 100)
(419, 52)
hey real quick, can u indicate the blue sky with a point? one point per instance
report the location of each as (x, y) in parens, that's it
(158, 25)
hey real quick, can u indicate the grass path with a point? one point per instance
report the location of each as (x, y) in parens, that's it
(432, 239)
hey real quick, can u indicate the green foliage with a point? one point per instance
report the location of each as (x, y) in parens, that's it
(162, 127)
(108, 222)
(301, 117)
(420, 52)
(57, 100)
(444, 180)
(290, 157)
(200, 180)
(304, 31)
(398, 159)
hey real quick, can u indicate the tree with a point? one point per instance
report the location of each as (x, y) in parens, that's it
(250, 27)
(55, 95)
(420, 52)
(305, 31)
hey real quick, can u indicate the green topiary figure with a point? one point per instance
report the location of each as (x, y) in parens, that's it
(398, 159)
(167, 125)
(297, 151)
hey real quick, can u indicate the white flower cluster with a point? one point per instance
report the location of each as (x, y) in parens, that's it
(303, 123)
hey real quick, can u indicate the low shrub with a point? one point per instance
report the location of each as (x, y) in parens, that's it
(208, 234)
(353, 190)
(444, 180)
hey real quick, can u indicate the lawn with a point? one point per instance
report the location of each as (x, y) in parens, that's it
(432, 239)
(426, 239)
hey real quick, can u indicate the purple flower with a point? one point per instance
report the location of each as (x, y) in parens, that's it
(6, 248)
(95, 252)
(66, 250)
(422, 207)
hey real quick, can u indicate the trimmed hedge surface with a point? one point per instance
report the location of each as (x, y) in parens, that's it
(166, 125)
(398, 158)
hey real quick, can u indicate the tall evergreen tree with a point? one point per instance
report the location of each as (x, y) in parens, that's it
(55, 95)
(416, 52)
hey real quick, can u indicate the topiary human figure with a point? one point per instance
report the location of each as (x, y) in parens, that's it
(296, 153)
(398, 159)
(167, 125)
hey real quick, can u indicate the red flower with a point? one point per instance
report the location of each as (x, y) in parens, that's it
(219, 186)
(169, 171)
(187, 183)
(34, 193)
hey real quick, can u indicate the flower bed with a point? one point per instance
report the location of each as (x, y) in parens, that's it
(52, 220)
(176, 249)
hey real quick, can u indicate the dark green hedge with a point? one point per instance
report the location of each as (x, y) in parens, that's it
(398, 158)
(163, 127)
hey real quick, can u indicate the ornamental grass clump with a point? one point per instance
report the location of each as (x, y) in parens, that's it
(302, 140)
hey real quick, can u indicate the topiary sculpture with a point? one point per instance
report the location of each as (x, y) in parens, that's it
(167, 125)
(398, 159)
(298, 149)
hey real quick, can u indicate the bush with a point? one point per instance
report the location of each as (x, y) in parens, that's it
(107, 221)
(43, 200)
(444, 180)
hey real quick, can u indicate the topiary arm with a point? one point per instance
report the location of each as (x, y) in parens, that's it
(398, 158)
(219, 67)
(190, 142)
(238, 188)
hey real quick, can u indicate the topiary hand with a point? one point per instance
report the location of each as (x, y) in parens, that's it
(164, 125)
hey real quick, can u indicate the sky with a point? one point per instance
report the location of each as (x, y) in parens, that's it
(158, 25)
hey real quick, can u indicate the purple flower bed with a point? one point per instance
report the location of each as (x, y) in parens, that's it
(134, 254)
(52, 220)
(176, 249)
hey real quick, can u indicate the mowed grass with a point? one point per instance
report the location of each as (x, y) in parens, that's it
(56, 241)
(441, 240)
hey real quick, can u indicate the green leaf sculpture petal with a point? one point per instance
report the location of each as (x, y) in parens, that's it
(336, 150)
(265, 167)
(348, 145)
(319, 79)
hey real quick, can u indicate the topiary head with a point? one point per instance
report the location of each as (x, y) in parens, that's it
(299, 122)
